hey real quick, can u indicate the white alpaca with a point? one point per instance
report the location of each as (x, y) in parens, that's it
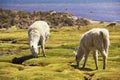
(38, 33)
(94, 40)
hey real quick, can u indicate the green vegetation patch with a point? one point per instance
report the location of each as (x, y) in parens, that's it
(16, 62)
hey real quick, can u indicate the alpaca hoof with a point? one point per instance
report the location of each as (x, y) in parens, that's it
(44, 55)
(77, 66)
(103, 68)
(82, 67)
(96, 68)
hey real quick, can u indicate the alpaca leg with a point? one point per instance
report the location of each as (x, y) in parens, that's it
(43, 48)
(86, 57)
(39, 46)
(95, 56)
(39, 49)
(43, 51)
(104, 54)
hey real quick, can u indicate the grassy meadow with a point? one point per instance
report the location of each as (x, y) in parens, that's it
(16, 62)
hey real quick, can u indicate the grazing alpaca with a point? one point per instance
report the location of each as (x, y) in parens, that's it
(38, 33)
(94, 40)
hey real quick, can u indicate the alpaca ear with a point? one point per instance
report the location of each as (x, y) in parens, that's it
(75, 53)
(76, 49)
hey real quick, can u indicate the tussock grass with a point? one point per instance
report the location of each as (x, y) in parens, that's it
(16, 62)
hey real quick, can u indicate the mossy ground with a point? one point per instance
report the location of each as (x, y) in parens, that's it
(60, 62)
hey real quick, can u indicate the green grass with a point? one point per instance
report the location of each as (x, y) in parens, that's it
(60, 61)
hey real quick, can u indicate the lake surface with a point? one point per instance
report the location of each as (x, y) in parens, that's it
(95, 11)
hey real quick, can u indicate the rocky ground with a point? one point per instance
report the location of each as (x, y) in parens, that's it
(24, 19)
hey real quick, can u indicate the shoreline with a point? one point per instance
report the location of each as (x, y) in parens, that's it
(107, 12)
(90, 19)
(23, 19)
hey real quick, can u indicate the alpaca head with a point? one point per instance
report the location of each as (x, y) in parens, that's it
(34, 51)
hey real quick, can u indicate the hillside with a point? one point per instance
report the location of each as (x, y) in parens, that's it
(24, 19)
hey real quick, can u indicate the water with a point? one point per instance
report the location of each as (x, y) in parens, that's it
(95, 11)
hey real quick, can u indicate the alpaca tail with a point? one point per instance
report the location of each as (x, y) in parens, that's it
(106, 41)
